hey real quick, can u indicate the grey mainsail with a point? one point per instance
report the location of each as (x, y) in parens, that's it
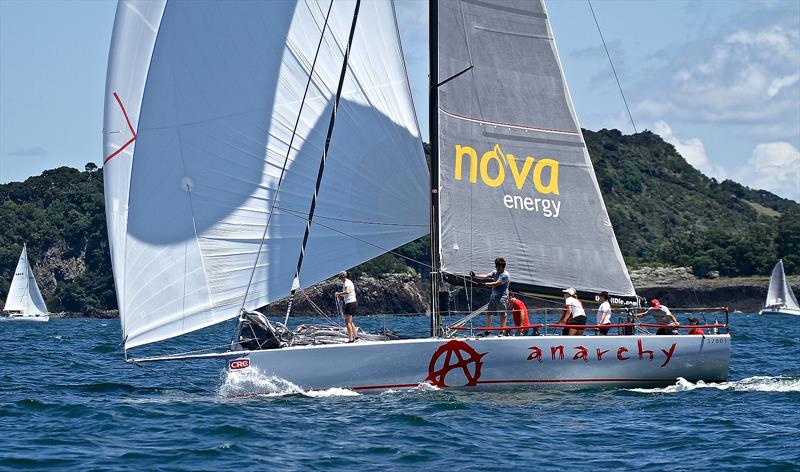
(515, 178)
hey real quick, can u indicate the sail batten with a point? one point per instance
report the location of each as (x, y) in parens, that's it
(516, 180)
(214, 111)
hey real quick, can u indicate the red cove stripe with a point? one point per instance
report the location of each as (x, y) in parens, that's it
(514, 381)
(130, 127)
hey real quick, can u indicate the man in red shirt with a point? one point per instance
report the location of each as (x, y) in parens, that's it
(695, 322)
(520, 313)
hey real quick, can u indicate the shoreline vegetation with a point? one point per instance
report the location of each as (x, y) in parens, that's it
(704, 239)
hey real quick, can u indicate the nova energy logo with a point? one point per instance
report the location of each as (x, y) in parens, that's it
(531, 174)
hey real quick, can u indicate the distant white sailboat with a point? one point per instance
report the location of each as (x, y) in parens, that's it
(780, 298)
(24, 301)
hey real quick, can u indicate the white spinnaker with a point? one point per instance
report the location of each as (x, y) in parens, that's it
(135, 29)
(224, 86)
(24, 295)
(780, 293)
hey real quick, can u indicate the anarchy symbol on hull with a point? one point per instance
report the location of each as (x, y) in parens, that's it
(455, 355)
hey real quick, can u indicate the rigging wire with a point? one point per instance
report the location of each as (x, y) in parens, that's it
(286, 159)
(310, 218)
(613, 69)
(625, 101)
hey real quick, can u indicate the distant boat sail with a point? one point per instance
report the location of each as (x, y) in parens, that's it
(24, 301)
(247, 142)
(780, 297)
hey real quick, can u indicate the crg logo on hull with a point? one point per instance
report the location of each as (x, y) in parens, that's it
(239, 364)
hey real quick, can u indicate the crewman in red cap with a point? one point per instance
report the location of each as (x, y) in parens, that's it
(663, 316)
(520, 313)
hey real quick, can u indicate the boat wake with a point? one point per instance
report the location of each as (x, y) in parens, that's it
(424, 387)
(250, 382)
(750, 384)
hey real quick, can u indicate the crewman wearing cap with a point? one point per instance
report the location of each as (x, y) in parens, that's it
(348, 293)
(662, 315)
(694, 322)
(573, 313)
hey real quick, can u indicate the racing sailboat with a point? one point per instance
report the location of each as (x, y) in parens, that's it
(24, 301)
(256, 148)
(780, 297)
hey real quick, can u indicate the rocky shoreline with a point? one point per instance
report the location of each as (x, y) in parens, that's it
(402, 294)
(678, 287)
(100, 314)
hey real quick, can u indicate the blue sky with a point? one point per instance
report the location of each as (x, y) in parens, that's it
(718, 79)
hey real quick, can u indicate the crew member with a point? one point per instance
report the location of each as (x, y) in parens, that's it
(498, 300)
(520, 314)
(348, 293)
(695, 322)
(573, 313)
(604, 313)
(663, 316)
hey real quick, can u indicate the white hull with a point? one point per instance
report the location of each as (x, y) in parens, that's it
(496, 363)
(39, 318)
(778, 311)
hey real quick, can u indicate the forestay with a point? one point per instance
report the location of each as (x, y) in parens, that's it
(201, 103)
(780, 293)
(515, 176)
(24, 295)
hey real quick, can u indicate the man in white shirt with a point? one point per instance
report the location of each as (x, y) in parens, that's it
(348, 293)
(604, 313)
(573, 313)
(662, 315)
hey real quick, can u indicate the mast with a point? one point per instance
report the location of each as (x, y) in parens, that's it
(433, 136)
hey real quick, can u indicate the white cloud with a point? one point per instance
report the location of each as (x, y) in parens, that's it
(33, 151)
(774, 40)
(750, 76)
(780, 83)
(692, 149)
(775, 167)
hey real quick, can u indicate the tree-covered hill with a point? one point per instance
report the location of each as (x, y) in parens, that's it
(664, 212)
(60, 215)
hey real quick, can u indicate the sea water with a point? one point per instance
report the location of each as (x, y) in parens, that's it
(68, 401)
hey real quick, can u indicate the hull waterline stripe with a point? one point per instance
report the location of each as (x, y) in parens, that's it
(373, 387)
(513, 381)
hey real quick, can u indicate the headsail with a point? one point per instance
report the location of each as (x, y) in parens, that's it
(212, 92)
(24, 295)
(780, 293)
(515, 176)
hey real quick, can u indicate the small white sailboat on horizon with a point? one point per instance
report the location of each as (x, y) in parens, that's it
(256, 148)
(780, 297)
(24, 301)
